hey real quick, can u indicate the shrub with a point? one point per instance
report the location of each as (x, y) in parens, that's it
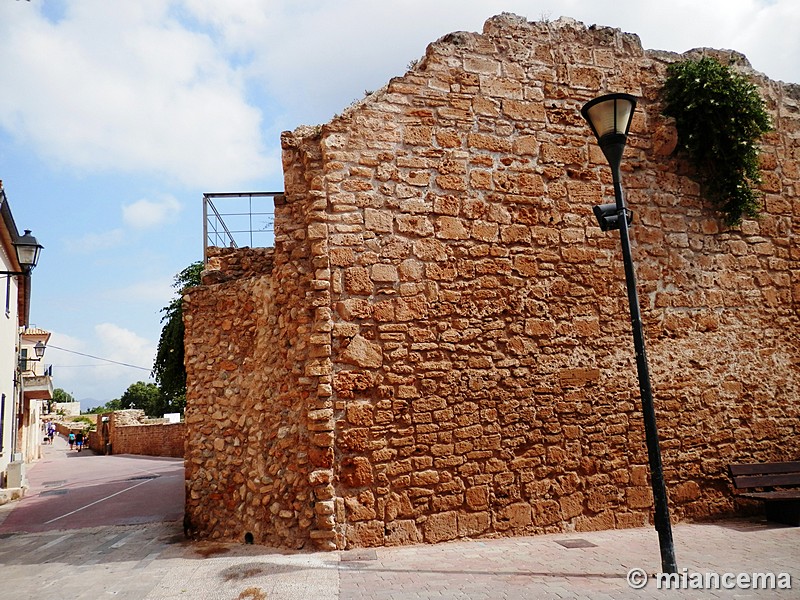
(720, 117)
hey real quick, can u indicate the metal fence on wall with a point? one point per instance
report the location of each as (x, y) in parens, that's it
(238, 219)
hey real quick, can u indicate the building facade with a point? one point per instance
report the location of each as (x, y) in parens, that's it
(19, 411)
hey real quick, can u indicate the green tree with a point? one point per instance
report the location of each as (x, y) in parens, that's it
(168, 368)
(146, 396)
(109, 406)
(60, 395)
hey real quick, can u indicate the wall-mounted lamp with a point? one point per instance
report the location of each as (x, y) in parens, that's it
(28, 250)
(39, 349)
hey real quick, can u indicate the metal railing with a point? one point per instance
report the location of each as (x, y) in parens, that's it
(238, 219)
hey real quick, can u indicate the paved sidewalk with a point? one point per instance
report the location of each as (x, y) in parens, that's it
(153, 561)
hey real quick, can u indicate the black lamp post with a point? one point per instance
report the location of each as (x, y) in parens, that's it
(610, 118)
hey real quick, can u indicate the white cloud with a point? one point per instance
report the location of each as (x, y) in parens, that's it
(91, 243)
(147, 214)
(77, 371)
(123, 86)
(315, 58)
(122, 345)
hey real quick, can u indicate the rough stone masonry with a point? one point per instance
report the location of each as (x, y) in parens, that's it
(439, 344)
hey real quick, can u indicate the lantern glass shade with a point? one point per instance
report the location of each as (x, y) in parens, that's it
(610, 115)
(39, 348)
(28, 250)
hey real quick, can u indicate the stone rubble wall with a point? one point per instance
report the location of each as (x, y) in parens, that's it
(132, 432)
(157, 439)
(453, 355)
(225, 264)
(252, 376)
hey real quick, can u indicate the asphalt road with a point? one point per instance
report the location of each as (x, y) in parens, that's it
(73, 490)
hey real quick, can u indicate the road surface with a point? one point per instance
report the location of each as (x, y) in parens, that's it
(73, 490)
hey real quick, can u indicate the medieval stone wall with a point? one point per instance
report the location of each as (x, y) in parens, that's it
(452, 355)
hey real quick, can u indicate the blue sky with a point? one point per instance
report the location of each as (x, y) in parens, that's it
(116, 116)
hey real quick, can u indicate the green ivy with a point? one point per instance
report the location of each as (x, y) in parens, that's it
(720, 117)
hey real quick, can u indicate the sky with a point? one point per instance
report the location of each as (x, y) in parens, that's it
(116, 116)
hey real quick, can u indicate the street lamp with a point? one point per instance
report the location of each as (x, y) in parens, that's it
(610, 118)
(38, 349)
(27, 249)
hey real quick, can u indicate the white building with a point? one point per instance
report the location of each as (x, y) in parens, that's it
(37, 391)
(18, 255)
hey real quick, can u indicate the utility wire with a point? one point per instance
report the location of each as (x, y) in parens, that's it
(116, 362)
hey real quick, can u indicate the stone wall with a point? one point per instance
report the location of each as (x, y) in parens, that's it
(443, 346)
(157, 439)
(251, 380)
(130, 432)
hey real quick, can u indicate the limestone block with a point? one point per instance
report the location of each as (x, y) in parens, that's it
(357, 280)
(440, 527)
(578, 377)
(473, 524)
(513, 516)
(378, 220)
(365, 534)
(403, 532)
(384, 273)
(418, 135)
(320, 476)
(418, 225)
(362, 353)
(356, 439)
(356, 471)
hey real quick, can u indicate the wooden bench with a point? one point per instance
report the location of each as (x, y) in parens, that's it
(782, 505)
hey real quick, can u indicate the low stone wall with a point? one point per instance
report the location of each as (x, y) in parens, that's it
(124, 433)
(66, 428)
(167, 439)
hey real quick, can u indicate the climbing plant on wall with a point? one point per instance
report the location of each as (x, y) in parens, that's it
(720, 117)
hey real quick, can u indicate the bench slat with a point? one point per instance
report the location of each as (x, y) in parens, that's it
(764, 468)
(774, 495)
(751, 481)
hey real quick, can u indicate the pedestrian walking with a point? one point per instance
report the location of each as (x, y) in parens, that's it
(71, 439)
(79, 440)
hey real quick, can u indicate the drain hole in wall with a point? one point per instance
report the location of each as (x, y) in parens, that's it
(248, 538)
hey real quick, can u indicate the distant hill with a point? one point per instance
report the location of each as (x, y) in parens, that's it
(90, 403)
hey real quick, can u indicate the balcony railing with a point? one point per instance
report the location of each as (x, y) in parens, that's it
(238, 219)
